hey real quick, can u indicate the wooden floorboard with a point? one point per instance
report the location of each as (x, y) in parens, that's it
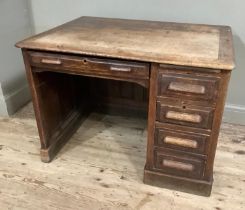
(98, 168)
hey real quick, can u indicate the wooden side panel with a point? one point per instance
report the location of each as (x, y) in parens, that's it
(57, 108)
(119, 97)
(225, 78)
(151, 117)
(55, 101)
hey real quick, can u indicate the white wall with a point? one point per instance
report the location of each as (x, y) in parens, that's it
(14, 26)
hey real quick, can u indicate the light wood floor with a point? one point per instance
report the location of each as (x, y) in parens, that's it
(98, 168)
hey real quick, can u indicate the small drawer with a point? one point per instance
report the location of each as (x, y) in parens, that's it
(182, 140)
(90, 66)
(194, 116)
(188, 86)
(179, 165)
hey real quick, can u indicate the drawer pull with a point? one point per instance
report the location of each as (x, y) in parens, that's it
(180, 142)
(195, 118)
(178, 165)
(122, 69)
(51, 61)
(184, 87)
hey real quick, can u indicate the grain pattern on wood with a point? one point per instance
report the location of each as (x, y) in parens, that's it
(172, 43)
(217, 122)
(78, 180)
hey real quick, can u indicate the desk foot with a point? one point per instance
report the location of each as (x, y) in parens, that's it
(61, 136)
(198, 187)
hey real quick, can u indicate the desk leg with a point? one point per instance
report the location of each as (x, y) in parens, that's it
(58, 107)
(151, 115)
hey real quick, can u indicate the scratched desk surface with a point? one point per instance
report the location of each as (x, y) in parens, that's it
(101, 167)
(171, 43)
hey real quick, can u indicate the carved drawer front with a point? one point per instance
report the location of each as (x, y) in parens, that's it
(181, 140)
(192, 87)
(90, 66)
(193, 116)
(179, 165)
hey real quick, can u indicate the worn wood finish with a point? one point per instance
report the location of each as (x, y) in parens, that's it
(205, 115)
(101, 168)
(103, 68)
(57, 108)
(151, 117)
(178, 164)
(126, 67)
(141, 40)
(195, 87)
(216, 123)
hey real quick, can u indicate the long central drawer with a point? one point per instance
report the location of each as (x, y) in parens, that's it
(90, 66)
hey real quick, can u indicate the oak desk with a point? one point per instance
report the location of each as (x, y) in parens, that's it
(177, 74)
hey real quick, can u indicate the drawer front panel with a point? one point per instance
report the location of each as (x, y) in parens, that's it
(188, 86)
(186, 115)
(178, 165)
(181, 140)
(90, 66)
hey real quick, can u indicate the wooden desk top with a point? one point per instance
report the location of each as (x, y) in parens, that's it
(161, 42)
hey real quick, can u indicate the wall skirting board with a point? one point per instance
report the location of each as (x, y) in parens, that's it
(3, 107)
(11, 102)
(234, 114)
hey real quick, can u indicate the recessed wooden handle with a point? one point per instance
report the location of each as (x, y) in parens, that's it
(178, 165)
(120, 68)
(180, 142)
(51, 61)
(195, 118)
(185, 87)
